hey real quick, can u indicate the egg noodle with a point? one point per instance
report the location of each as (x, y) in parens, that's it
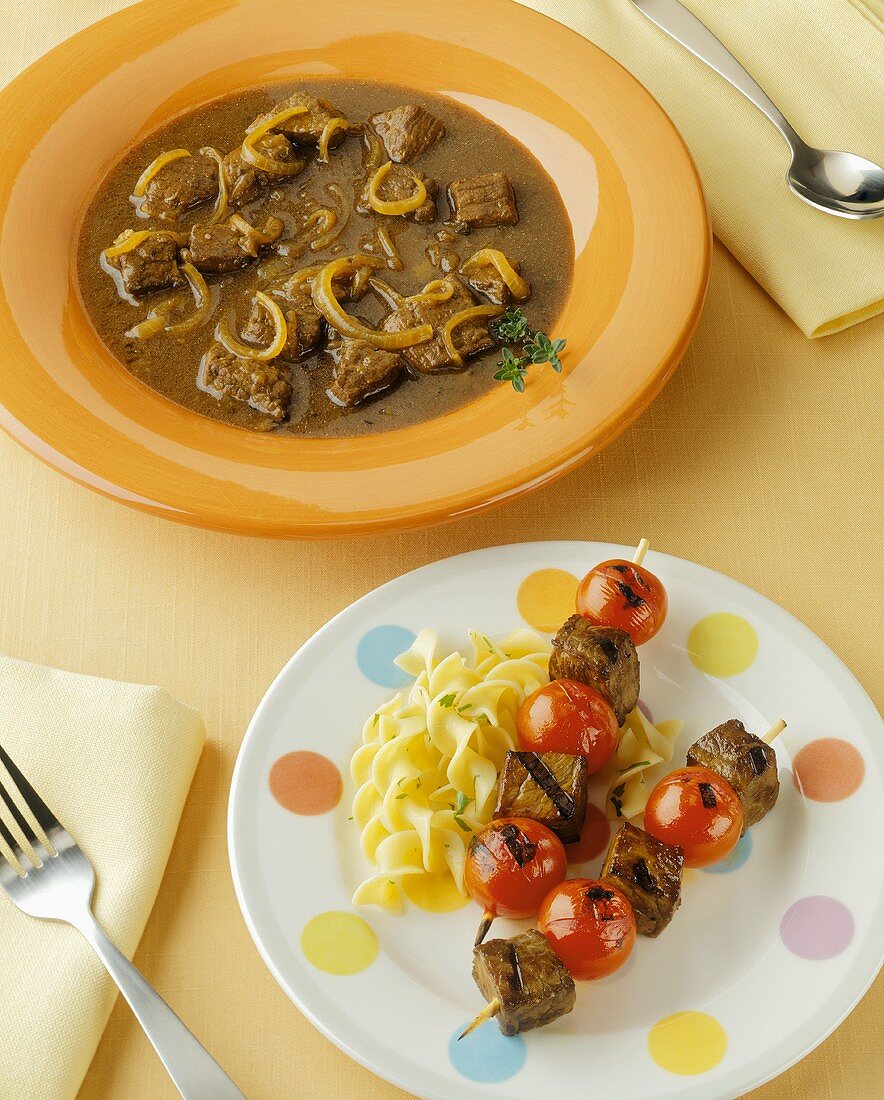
(427, 770)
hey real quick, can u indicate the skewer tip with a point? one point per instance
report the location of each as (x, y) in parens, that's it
(491, 1009)
(484, 925)
(643, 547)
(774, 732)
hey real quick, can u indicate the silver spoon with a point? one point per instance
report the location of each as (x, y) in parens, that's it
(843, 184)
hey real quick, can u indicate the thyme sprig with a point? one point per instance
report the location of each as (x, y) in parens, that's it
(537, 347)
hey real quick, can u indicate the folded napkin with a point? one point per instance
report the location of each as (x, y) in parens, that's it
(821, 63)
(114, 762)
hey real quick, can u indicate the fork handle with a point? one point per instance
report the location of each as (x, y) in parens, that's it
(195, 1072)
(682, 25)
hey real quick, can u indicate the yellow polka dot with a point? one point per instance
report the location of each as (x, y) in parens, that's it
(339, 943)
(546, 598)
(723, 644)
(435, 893)
(687, 1042)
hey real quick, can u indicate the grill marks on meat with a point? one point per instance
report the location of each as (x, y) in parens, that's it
(527, 977)
(548, 787)
(603, 657)
(745, 761)
(648, 871)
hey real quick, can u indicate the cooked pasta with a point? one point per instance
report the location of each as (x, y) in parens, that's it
(642, 744)
(427, 770)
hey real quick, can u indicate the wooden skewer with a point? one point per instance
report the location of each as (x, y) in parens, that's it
(491, 1009)
(774, 732)
(643, 547)
(484, 925)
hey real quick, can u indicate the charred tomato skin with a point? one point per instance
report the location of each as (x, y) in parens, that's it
(590, 925)
(567, 716)
(511, 864)
(623, 594)
(698, 810)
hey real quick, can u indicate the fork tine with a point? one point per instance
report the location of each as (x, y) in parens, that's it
(19, 818)
(45, 817)
(14, 847)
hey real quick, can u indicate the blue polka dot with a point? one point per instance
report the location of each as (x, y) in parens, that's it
(376, 652)
(734, 860)
(486, 1055)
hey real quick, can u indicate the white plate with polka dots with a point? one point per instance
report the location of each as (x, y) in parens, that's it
(769, 951)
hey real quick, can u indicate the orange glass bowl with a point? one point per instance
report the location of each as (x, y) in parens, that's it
(641, 237)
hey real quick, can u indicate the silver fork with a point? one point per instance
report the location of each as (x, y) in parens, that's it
(55, 881)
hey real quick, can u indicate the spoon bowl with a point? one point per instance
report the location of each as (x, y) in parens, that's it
(843, 184)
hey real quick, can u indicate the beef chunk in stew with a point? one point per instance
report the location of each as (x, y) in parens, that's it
(227, 246)
(399, 184)
(486, 280)
(527, 977)
(549, 787)
(306, 128)
(407, 131)
(178, 187)
(245, 182)
(264, 386)
(151, 264)
(648, 872)
(745, 761)
(469, 338)
(483, 200)
(305, 325)
(362, 370)
(603, 657)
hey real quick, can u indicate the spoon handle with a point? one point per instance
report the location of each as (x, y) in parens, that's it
(680, 24)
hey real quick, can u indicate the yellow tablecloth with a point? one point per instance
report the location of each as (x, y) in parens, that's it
(757, 460)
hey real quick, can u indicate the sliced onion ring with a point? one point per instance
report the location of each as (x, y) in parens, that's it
(249, 351)
(331, 127)
(267, 164)
(158, 318)
(458, 319)
(395, 206)
(222, 200)
(155, 166)
(132, 238)
(519, 288)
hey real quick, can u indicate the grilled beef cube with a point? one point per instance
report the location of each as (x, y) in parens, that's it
(469, 338)
(245, 182)
(151, 265)
(648, 872)
(745, 761)
(399, 184)
(264, 386)
(549, 787)
(407, 131)
(305, 129)
(483, 200)
(180, 186)
(362, 370)
(528, 978)
(486, 280)
(603, 657)
(227, 246)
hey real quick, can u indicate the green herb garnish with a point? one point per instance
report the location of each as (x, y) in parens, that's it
(462, 802)
(537, 347)
(448, 700)
(616, 799)
(637, 764)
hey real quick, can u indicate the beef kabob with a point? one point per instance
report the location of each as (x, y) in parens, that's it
(696, 815)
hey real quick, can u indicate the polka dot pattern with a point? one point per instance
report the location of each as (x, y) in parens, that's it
(687, 1043)
(376, 653)
(486, 1055)
(817, 927)
(734, 860)
(828, 770)
(339, 943)
(723, 644)
(594, 837)
(305, 783)
(546, 598)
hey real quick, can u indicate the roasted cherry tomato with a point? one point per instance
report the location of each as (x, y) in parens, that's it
(567, 716)
(512, 863)
(621, 593)
(697, 810)
(590, 925)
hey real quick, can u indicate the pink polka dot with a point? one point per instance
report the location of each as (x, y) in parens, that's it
(305, 783)
(817, 927)
(828, 770)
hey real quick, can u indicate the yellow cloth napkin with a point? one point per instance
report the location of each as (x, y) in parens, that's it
(114, 762)
(822, 63)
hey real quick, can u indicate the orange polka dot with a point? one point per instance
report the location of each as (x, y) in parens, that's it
(305, 783)
(828, 770)
(546, 598)
(594, 837)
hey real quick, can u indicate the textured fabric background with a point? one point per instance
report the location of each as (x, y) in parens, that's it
(760, 459)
